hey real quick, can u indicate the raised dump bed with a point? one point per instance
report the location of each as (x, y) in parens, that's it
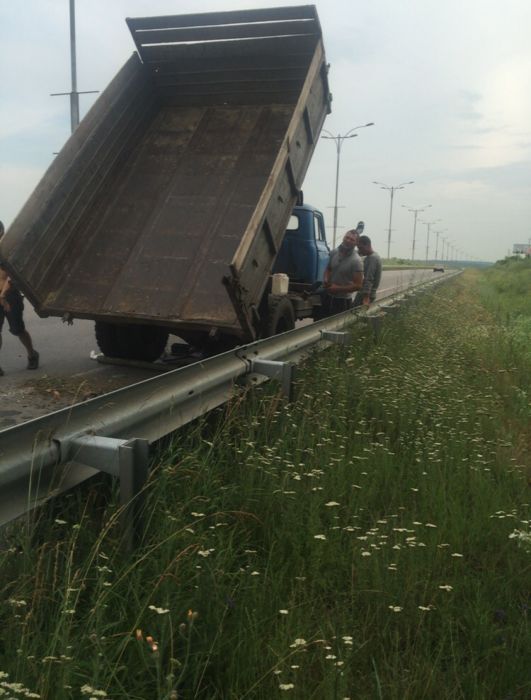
(168, 204)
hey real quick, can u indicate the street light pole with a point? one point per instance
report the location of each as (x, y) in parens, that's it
(391, 189)
(74, 94)
(429, 224)
(438, 233)
(415, 211)
(339, 140)
(446, 243)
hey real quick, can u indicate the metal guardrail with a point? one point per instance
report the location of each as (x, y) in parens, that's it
(48, 455)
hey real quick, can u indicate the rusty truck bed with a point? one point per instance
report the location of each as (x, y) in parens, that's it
(169, 202)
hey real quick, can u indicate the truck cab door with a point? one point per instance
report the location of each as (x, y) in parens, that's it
(323, 251)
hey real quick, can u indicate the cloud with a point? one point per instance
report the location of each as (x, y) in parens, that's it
(19, 181)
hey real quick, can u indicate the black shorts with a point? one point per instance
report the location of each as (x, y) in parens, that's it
(15, 314)
(331, 305)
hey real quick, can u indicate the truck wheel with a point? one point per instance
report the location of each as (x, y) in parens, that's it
(131, 341)
(280, 317)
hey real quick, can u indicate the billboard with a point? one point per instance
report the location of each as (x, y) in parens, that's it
(521, 248)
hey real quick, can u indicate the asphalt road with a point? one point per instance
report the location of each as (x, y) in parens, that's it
(67, 373)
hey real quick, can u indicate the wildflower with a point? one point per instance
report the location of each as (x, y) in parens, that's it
(395, 608)
(523, 538)
(152, 644)
(330, 656)
(426, 607)
(430, 525)
(456, 554)
(298, 643)
(255, 573)
(446, 587)
(319, 537)
(283, 612)
(58, 521)
(331, 504)
(365, 554)
(159, 611)
(138, 634)
(192, 615)
(89, 690)
(204, 552)
(286, 686)
(198, 515)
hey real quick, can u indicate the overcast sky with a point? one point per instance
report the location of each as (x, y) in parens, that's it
(448, 85)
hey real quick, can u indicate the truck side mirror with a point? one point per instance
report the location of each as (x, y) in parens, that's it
(300, 199)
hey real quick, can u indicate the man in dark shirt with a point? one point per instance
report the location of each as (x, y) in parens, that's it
(372, 273)
(12, 307)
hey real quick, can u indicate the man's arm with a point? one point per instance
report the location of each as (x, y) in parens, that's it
(5, 283)
(357, 282)
(370, 267)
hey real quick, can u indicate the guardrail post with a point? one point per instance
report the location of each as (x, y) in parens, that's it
(284, 372)
(133, 458)
(391, 309)
(125, 459)
(375, 322)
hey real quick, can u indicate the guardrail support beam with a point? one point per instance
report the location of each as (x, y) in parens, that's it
(284, 372)
(128, 461)
(337, 337)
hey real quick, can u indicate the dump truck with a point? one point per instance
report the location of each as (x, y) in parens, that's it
(165, 211)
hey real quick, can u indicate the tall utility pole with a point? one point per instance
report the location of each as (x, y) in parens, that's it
(391, 189)
(339, 139)
(415, 212)
(74, 94)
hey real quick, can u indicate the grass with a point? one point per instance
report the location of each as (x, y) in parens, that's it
(369, 540)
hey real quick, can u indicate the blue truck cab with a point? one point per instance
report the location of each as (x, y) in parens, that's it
(304, 253)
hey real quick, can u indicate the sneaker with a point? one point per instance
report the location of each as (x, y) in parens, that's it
(33, 361)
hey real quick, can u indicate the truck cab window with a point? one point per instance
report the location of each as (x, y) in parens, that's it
(293, 223)
(319, 229)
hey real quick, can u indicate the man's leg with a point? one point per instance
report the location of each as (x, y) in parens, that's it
(33, 355)
(18, 328)
(1, 324)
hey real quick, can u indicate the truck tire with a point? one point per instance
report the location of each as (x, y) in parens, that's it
(280, 317)
(131, 341)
